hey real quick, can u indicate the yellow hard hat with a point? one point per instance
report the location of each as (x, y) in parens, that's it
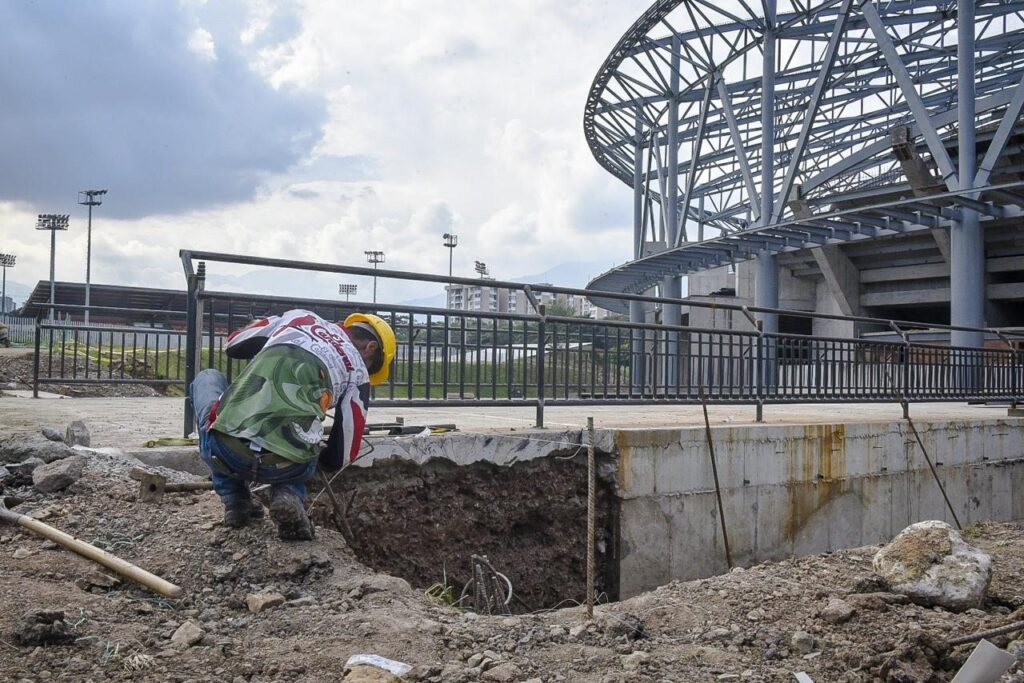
(386, 337)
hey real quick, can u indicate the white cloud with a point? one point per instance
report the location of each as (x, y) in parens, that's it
(439, 117)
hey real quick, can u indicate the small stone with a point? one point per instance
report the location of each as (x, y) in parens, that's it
(77, 434)
(577, 630)
(756, 615)
(557, 631)
(52, 434)
(474, 661)
(720, 634)
(1016, 648)
(188, 634)
(802, 642)
(837, 611)
(4, 473)
(22, 553)
(634, 661)
(58, 475)
(503, 673)
(258, 602)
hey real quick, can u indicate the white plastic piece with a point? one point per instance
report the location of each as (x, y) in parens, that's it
(803, 677)
(985, 665)
(397, 668)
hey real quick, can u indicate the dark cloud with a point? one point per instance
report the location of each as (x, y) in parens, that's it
(110, 95)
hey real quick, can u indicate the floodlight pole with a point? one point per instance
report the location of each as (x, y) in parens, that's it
(89, 198)
(375, 257)
(7, 261)
(52, 222)
(347, 290)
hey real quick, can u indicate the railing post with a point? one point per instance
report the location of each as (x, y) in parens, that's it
(193, 341)
(37, 360)
(541, 329)
(761, 370)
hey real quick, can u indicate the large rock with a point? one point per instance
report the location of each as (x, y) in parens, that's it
(931, 564)
(21, 447)
(58, 475)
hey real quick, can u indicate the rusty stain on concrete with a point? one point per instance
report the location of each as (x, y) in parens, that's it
(817, 474)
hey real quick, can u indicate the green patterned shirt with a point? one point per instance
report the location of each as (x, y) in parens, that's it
(278, 402)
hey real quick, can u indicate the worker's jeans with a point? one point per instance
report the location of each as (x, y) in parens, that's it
(205, 390)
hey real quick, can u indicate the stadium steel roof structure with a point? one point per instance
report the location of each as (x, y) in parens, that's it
(748, 129)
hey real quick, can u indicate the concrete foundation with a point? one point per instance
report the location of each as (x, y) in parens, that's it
(798, 490)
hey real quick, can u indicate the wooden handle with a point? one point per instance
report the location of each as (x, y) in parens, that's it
(91, 552)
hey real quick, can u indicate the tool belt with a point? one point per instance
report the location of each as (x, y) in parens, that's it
(244, 450)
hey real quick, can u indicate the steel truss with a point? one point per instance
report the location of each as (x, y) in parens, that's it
(864, 92)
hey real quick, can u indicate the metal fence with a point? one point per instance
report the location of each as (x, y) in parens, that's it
(472, 358)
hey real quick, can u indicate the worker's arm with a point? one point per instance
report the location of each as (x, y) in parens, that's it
(247, 342)
(347, 433)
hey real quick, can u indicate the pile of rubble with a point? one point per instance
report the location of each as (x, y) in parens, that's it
(254, 608)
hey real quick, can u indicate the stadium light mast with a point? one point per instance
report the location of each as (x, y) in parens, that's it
(451, 241)
(6, 261)
(481, 268)
(374, 257)
(347, 290)
(89, 198)
(52, 222)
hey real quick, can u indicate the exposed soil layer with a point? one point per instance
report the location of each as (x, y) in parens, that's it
(424, 523)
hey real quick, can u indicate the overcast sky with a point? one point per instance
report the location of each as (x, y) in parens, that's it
(309, 130)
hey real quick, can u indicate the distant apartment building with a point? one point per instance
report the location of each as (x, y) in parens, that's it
(481, 297)
(489, 299)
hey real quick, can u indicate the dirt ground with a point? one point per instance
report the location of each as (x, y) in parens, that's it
(16, 373)
(741, 626)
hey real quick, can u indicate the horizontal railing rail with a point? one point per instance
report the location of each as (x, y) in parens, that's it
(481, 358)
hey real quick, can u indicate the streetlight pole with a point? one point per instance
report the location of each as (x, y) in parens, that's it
(451, 241)
(7, 261)
(52, 222)
(347, 290)
(89, 198)
(374, 257)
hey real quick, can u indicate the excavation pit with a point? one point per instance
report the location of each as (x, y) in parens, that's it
(424, 522)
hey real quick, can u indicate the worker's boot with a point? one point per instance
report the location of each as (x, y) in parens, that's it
(238, 513)
(288, 512)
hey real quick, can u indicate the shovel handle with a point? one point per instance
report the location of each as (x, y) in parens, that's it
(91, 552)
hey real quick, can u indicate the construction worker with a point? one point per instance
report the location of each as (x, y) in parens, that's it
(267, 426)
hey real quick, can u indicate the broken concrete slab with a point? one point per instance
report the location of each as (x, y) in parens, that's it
(182, 459)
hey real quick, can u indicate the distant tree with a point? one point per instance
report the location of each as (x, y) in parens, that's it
(561, 310)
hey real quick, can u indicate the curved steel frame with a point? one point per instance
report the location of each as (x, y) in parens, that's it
(749, 129)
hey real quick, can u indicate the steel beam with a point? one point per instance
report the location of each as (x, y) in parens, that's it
(1003, 133)
(737, 142)
(910, 94)
(824, 73)
(691, 176)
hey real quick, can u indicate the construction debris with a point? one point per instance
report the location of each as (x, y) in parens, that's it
(58, 475)
(77, 434)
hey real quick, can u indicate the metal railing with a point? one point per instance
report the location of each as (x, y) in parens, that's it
(70, 352)
(473, 358)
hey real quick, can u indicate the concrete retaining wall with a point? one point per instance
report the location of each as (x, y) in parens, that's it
(797, 490)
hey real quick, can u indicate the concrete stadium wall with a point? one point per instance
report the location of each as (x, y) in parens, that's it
(798, 490)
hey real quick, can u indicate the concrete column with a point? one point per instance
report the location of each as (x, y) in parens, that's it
(672, 287)
(967, 241)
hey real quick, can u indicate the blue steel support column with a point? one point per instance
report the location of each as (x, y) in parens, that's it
(672, 286)
(766, 281)
(636, 308)
(967, 240)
